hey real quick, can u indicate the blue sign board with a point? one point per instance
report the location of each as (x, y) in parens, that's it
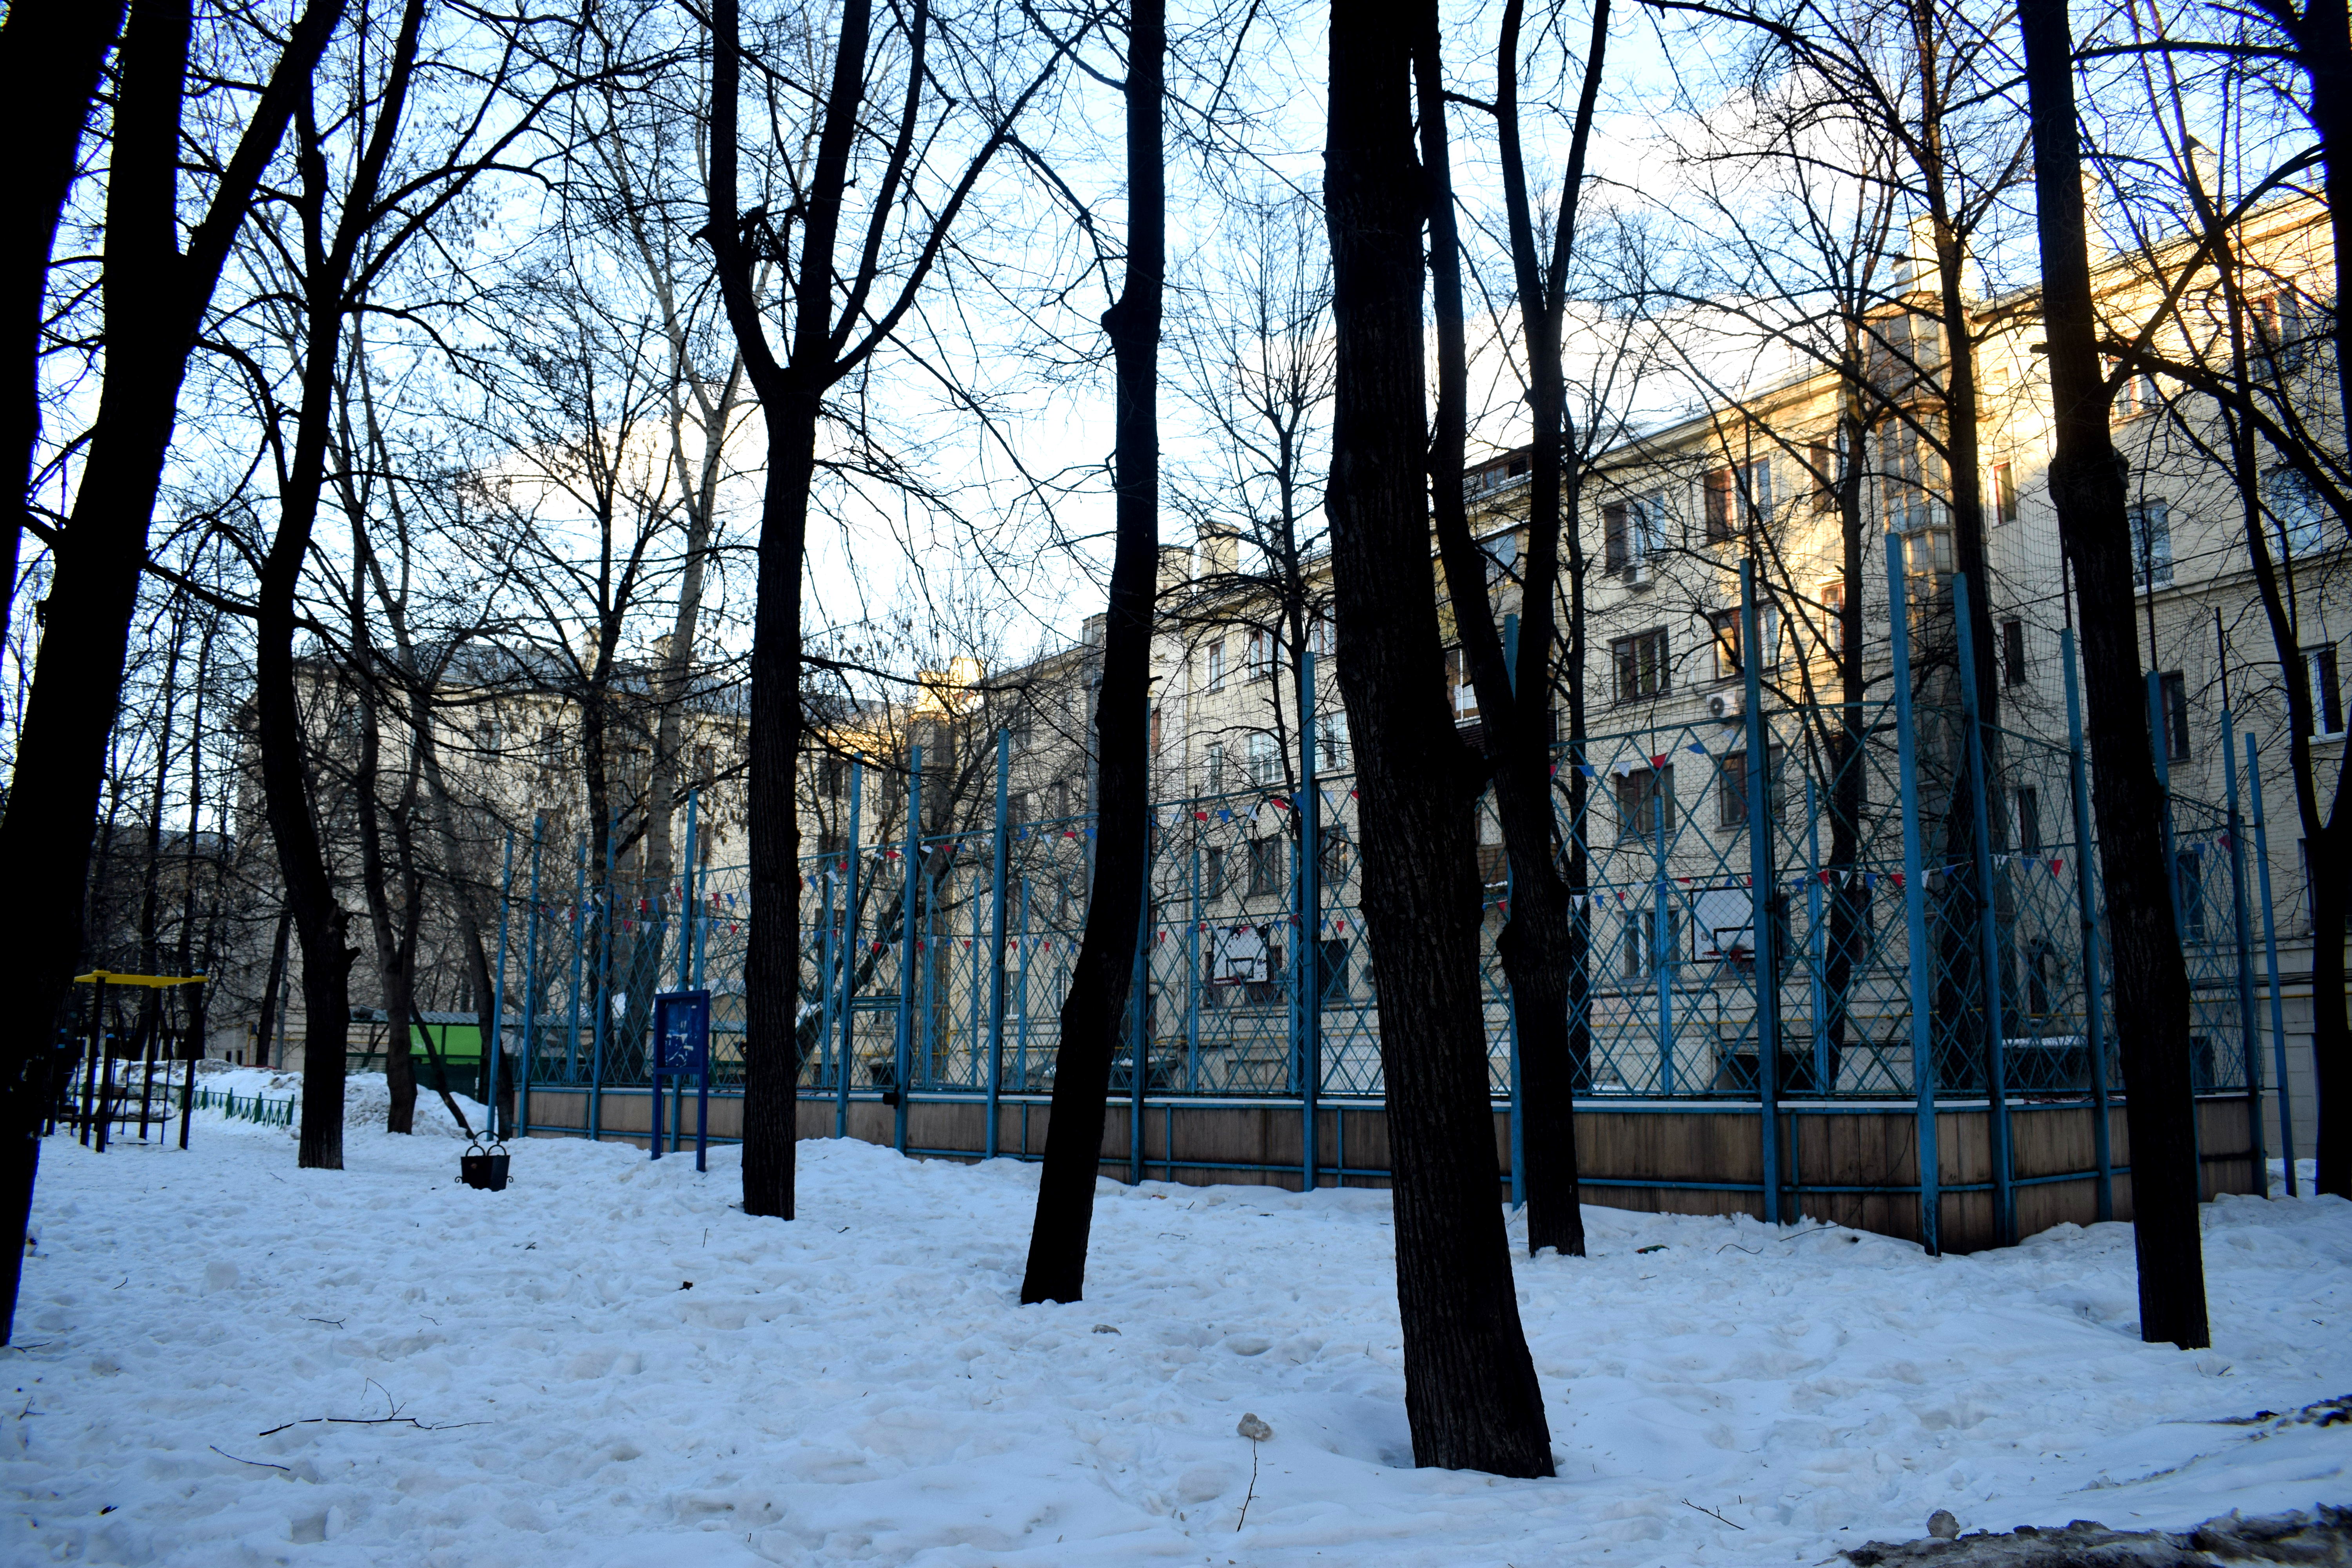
(682, 1050)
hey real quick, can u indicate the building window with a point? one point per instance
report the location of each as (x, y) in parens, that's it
(2327, 695)
(1914, 471)
(1216, 760)
(1632, 530)
(2151, 532)
(1502, 554)
(1641, 664)
(2279, 333)
(1214, 870)
(1017, 806)
(2004, 493)
(2297, 515)
(1461, 691)
(1331, 735)
(2174, 700)
(2135, 394)
(1741, 490)
(1646, 802)
(1331, 965)
(2042, 969)
(1820, 459)
(1155, 731)
(1834, 616)
(1319, 634)
(1261, 653)
(1640, 952)
(1332, 843)
(1265, 858)
(1265, 761)
(2012, 653)
(2029, 819)
(1725, 627)
(1217, 664)
(1731, 786)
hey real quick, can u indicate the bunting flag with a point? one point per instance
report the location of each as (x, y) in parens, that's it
(1588, 770)
(1695, 749)
(1224, 815)
(1660, 760)
(1825, 878)
(2056, 867)
(1895, 877)
(1200, 817)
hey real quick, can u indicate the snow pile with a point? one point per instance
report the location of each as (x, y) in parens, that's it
(224, 1359)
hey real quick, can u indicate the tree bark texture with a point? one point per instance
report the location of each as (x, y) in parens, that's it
(1094, 1012)
(1471, 1393)
(2086, 482)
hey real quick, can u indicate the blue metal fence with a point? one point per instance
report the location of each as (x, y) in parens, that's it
(1891, 906)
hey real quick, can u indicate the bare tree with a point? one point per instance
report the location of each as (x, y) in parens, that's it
(2087, 481)
(1471, 1393)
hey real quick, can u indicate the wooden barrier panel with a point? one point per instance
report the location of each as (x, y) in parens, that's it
(1854, 1165)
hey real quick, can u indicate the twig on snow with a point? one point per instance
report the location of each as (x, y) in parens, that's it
(1712, 1514)
(265, 1464)
(1253, 1491)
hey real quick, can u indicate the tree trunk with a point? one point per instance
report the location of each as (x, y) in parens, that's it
(1471, 1394)
(154, 299)
(51, 57)
(1094, 1012)
(2086, 482)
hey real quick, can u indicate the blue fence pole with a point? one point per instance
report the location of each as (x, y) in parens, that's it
(1519, 1101)
(829, 950)
(2087, 895)
(1763, 891)
(1915, 905)
(533, 1003)
(2271, 963)
(998, 871)
(1021, 1007)
(852, 943)
(1987, 923)
(499, 986)
(1310, 918)
(686, 909)
(1816, 955)
(605, 906)
(2245, 960)
(908, 897)
(1193, 976)
(579, 952)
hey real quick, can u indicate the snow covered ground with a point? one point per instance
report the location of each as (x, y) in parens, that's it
(859, 1387)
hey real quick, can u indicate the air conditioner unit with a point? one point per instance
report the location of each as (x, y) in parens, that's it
(1726, 705)
(1639, 576)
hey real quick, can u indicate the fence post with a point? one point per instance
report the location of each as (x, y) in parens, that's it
(1004, 847)
(1763, 890)
(1816, 955)
(1310, 916)
(1139, 1052)
(533, 1004)
(907, 898)
(686, 910)
(1192, 971)
(1518, 1103)
(603, 989)
(1915, 905)
(829, 949)
(499, 987)
(2246, 962)
(1020, 1010)
(1988, 925)
(579, 951)
(850, 944)
(2086, 894)
(2270, 960)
